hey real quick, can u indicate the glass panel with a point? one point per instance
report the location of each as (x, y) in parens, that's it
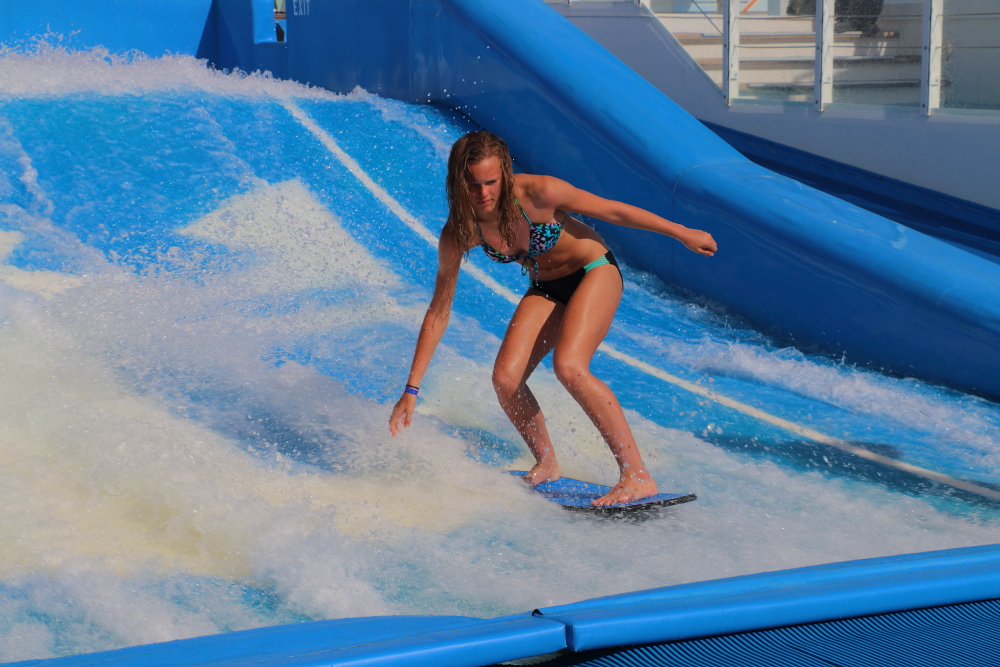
(697, 25)
(777, 51)
(970, 58)
(876, 52)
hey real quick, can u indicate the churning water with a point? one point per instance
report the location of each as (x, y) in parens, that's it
(205, 317)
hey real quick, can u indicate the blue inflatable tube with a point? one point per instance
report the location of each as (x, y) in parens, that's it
(777, 599)
(385, 641)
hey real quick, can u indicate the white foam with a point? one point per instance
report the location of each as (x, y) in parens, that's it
(967, 425)
(298, 243)
(46, 284)
(29, 175)
(49, 69)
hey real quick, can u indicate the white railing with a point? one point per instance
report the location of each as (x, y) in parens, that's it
(930, 64)
(923, 54)
(823, 91)
(823, 79)
(965, 31)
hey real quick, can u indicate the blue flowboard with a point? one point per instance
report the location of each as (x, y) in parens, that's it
(574, 494)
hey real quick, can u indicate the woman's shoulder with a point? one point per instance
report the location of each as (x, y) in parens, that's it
(541, 191)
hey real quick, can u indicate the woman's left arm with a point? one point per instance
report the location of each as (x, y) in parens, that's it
(558, 194)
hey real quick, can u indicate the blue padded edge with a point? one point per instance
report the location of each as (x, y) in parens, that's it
(965, 634)
(704, 609)
(390, 641)
(791, 578)
(791, 597)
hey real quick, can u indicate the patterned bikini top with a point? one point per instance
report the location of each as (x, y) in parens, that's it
(542, 238)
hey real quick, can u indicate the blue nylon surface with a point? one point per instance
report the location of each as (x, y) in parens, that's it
(575, 493)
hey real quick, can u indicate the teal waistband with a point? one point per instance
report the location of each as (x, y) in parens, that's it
(603, 259)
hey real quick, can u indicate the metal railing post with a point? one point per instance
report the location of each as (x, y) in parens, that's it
(930, 60)
(824, 53)
(730, 49)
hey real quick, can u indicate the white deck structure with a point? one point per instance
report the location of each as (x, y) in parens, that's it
(930, 122)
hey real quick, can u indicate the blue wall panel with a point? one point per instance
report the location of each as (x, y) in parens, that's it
(155, 28)
(246, 37)
(349, 43)
(235, 26)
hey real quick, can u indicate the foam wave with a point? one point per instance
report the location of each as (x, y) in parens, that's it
(47, 69)
(968, 425)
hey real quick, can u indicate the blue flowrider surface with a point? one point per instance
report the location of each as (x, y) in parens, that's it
(574, 494)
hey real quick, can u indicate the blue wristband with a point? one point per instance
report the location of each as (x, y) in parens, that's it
(411, 390)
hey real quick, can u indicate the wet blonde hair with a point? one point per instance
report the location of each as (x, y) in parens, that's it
(471, 149)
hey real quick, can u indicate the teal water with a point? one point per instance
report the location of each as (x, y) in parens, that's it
(205, 318)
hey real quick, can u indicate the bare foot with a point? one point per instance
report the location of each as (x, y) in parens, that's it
(546, 471)
(633, 486)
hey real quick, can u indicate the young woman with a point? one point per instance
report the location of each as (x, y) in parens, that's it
(575, 290)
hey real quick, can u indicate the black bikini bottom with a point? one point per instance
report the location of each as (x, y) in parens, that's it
(561, 289)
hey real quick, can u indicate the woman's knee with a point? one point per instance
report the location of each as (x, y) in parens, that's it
(505, 383)
(569, 370)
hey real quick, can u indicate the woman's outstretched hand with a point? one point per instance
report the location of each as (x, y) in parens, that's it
(700, 242)
(402, 414)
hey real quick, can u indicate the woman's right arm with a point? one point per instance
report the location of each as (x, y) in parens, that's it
(432, 329)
